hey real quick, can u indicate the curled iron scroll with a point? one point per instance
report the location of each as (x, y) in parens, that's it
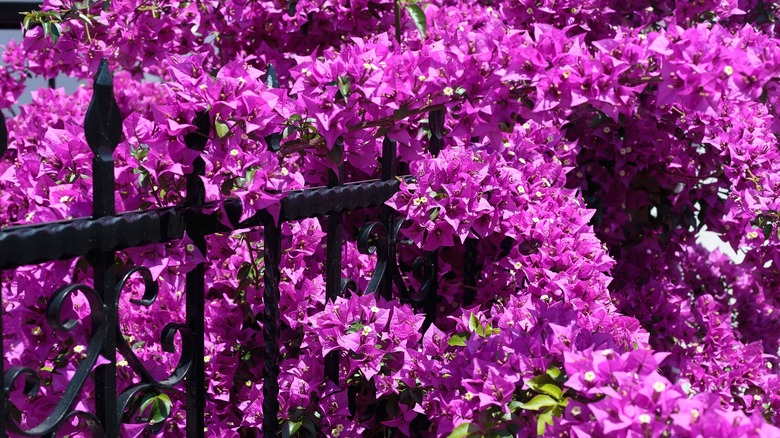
(148, 383)
(374, 238)
(62, 411)
(348, 287)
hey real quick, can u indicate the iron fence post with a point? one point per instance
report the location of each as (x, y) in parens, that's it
(3, 395)
(272, 252)
(103, 130)
(195, 284)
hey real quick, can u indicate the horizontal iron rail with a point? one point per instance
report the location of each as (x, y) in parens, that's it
(39, 243)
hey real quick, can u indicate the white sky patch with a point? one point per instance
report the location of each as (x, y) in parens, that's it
(711, 241)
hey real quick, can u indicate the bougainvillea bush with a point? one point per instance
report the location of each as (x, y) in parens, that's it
(585, 145)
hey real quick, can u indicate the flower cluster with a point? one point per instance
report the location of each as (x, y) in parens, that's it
(563, 158)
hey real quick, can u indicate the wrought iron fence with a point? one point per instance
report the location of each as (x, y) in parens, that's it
(99, 237)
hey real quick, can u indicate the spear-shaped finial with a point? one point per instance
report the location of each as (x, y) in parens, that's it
(103, 130)
(103, 122)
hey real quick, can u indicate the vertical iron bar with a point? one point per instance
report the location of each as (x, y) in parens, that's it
(436, 124)
(3, 395)
(103, 131)
(52, 83)
(3, 135)
(195, 284)
(389, 163)
(470, 271)
(432, 300)
(272, 253)
(333, 269)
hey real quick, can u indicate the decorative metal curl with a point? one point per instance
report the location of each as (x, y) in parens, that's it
(423, 269)
(167, 340)
(348, 287)
(374, 238)
(62, 412)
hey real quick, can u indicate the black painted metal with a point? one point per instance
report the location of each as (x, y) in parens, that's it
(272, 257)
(32, 244)
(436, 124)
(470, 271)
(3, 135)
(196, 195)
(333, 283)
(63, 410)
(3, 390)
(100, 236)
(131, 396)
(103, 131)
(11, 13)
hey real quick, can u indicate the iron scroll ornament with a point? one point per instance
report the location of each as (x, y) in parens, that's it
(62, 411)
(148, 383)
(374, 239)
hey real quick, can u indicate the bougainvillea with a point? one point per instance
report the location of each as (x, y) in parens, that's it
(579, 148)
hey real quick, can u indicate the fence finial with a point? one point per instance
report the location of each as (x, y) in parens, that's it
(103, 122)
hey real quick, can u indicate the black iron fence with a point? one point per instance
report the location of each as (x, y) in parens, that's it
(99, 237)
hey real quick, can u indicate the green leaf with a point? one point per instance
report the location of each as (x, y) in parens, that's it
(164, 399)
(290, 428)
(139, 153)
(459, 339)
(344, 84)
(490, 330)
(545, 418)
(553, 372)
(85, 19)
(55, 31)
(463, 430)
(474, 322)
(355, 327)
(221, 128)
(551, 390)
(434, 213)
(147, 400)
(514, 405)
(539, 402)
(538, 381)
(159, 413)
(28, 16)
(418, 16)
